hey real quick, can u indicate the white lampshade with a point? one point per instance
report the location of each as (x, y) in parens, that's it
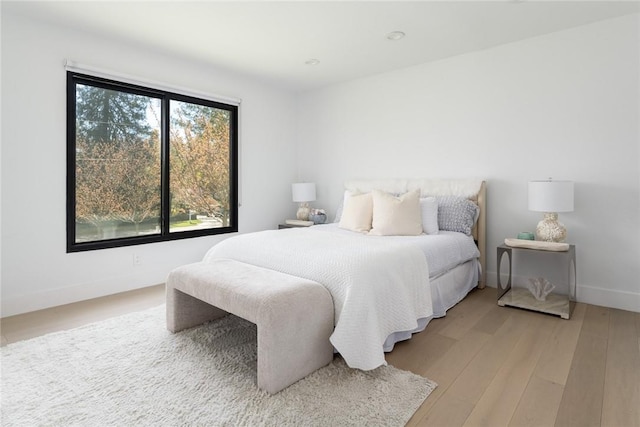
(303, 192)
(551, 196)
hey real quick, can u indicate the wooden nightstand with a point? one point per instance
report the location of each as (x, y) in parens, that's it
(281, 226)
(557, 304)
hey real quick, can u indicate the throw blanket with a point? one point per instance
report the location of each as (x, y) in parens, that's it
(378, 287)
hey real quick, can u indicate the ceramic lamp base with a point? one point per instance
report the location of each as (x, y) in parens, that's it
(550, 229)
(303, 212)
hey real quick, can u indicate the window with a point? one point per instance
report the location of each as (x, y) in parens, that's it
(146, 165)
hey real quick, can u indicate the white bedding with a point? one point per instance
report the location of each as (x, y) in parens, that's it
(367, 323)
(443, 251)
(379, 286)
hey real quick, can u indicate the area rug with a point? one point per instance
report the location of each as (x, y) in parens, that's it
(130, 371)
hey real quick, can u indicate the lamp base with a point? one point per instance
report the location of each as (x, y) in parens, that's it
(303, 212)
(550, 229)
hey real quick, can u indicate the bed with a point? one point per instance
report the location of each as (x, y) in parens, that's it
(454, 266)
(386, 282)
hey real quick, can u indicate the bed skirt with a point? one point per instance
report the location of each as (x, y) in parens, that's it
(447, 290)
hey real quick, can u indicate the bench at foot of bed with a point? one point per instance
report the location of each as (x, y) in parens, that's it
(294, 316)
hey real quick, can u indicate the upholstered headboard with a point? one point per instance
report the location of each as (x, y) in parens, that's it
(474, 190)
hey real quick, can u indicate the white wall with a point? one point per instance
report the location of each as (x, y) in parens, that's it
(564, 105)
(36, 271)
(491, 114)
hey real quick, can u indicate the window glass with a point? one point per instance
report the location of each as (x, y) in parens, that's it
(200, 155)
(118, 187)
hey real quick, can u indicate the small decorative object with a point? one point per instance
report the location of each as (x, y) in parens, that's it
(318, 216)
(540, 288)
(551, 197)
(526, 235)
(303, 193)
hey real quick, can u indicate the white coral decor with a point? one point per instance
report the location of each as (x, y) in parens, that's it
(540, 288)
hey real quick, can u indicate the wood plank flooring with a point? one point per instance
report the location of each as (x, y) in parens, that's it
(30, 325)
(500, 366)
(495, 366)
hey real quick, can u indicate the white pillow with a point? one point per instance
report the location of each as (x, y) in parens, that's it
(345, 196)
(357, 212)
(429, 211)
(396, 216)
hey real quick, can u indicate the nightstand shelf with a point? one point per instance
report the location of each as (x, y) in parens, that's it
(522, 298)
(283, 226)
(556, 304)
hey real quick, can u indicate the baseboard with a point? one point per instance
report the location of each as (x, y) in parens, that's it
(622, 300)
(611, 298)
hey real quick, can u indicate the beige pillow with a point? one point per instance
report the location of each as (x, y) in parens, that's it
(357, 213)
(396, 216)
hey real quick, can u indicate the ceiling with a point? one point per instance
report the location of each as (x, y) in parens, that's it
(273, 40)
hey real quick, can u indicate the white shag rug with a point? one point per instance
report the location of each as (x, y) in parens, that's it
(131, 371)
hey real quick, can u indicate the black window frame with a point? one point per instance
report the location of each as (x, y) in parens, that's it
(74, 78)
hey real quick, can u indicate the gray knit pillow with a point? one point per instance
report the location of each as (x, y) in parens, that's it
(457, 214)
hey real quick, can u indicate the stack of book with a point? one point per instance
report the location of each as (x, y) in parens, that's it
(298, 222)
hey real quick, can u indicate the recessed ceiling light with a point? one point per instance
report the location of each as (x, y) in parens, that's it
(395, 35)
(312, 61)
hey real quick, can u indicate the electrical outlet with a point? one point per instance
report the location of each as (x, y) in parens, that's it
(137, 259)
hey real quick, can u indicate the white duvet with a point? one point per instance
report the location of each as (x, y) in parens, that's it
(443, 251)
(378, 287)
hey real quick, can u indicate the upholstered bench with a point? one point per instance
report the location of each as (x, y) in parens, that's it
(294, 316)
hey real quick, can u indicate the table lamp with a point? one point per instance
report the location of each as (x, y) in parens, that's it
(303, 192)
(551, 197)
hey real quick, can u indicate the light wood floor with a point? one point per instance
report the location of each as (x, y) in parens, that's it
(498, 366)
(30, 325)
(494, 366)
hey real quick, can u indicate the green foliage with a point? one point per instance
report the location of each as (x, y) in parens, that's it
(118, 159)
(104, 115)
(200, 162)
